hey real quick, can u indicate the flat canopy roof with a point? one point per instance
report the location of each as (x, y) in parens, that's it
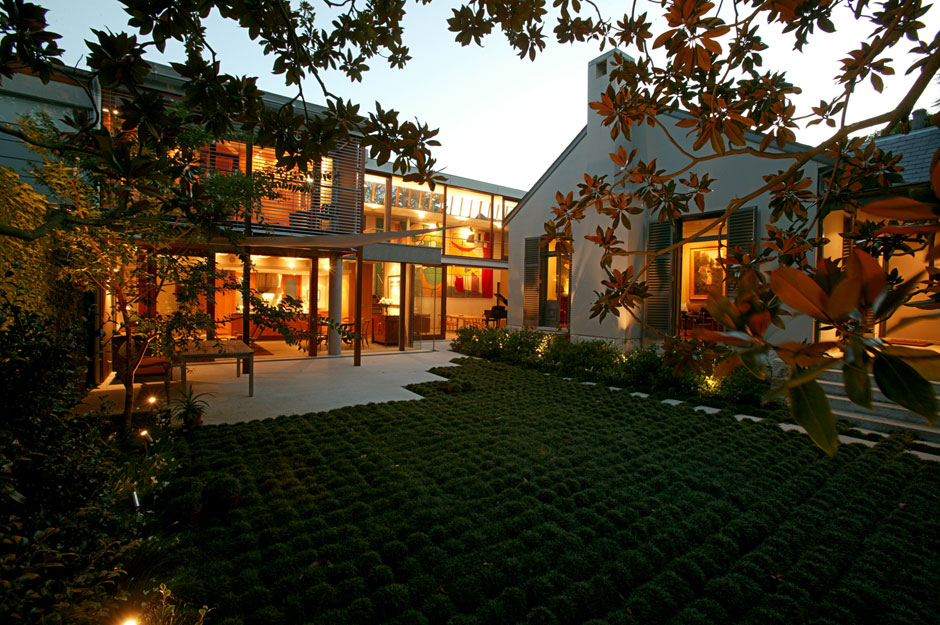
(334, 241)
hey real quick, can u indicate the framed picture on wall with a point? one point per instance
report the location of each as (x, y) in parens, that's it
(705, 272)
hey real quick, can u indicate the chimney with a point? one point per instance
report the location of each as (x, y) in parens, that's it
(599, 70)
(919, 119)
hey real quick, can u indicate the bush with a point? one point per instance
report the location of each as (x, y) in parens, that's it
(221, 494)
(68, 523)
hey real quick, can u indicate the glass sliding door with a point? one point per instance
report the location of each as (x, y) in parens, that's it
(427, 292)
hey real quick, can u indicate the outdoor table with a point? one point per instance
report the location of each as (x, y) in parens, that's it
(219, 349)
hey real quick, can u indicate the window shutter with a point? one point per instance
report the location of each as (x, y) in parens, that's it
(659, 279)
(742, 232)
(530, 278)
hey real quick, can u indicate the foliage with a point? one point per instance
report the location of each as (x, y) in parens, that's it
(707, 63)
(72, 541)
(39, 366)
(644, 369)
(534, 499)
(168, 609)
(188, 407)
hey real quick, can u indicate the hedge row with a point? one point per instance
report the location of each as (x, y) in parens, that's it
(530, 499)
(642, 369)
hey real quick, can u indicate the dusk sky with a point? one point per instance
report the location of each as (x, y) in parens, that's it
(501, 119)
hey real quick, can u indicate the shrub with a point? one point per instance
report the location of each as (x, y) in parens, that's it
(221, 493)
(742, 387)
(522, 347)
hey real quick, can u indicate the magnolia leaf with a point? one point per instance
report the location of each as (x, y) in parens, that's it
(802, 375)
(727, 365)
(732, 336)
(892, 299)
(872, 274)
(925, 361)
(901, 383)
(798, 291)
(901, 208)
(855, 375)
(810, 408)
(754, 360)
(903, 323)
(844, 298)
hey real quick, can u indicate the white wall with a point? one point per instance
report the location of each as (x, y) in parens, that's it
(734, 176)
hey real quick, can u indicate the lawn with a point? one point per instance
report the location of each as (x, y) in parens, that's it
(530, 499)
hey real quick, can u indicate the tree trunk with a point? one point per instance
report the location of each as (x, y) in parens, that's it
(130, 360)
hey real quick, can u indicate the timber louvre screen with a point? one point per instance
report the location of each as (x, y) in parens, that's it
(659, 279)
(742, 232)
(530, 280)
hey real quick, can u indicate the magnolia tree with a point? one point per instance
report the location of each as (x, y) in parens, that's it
(707, 61)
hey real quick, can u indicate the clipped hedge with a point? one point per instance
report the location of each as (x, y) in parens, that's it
(642, 369)
(533, 499)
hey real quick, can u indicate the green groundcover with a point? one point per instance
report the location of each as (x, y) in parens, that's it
(518, 497)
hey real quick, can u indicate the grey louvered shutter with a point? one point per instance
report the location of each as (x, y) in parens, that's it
(530, 282)
(659, 279)
(742, 232)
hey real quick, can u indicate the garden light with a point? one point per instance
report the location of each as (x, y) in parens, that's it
(152, 400)
(710, 383)
(144, 434)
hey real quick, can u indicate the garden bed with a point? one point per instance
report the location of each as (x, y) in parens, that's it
(530, 499)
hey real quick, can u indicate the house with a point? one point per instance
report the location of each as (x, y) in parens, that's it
(917, 148)
(326, 239)
(557, 292)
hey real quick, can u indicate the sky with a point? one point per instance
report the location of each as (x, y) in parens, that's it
(502, 119)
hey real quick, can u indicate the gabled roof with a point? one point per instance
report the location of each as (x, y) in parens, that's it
(918, 148)
(548, 173)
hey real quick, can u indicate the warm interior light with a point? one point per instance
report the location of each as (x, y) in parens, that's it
(130, 621)
(268, 297)
(291, 264)
(152, 399)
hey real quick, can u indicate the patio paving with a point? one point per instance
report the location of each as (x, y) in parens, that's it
(298, 386)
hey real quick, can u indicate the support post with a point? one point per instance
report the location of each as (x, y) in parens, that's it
(357, 345)
(313, 317)
(246, 276)
(402, 299)
(336, 303)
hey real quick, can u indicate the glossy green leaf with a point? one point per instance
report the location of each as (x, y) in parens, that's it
(810, 408)
(901, 383)
(891, 300)
(855, 375)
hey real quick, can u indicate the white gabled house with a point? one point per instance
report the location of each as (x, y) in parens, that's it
(556, 294)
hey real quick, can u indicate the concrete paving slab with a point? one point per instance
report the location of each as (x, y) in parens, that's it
(299, 386)
(707, 409)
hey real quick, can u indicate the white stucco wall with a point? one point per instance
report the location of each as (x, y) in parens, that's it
(735, 176)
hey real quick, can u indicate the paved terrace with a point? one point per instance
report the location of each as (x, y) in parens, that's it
(298, 386)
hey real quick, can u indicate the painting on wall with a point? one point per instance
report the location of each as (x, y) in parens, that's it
(706, 271)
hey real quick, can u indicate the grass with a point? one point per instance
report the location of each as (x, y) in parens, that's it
(529, 499)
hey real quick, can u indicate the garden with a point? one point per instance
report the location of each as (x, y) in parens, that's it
(511, 495)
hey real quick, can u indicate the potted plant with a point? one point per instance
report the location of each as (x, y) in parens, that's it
(189, 408)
